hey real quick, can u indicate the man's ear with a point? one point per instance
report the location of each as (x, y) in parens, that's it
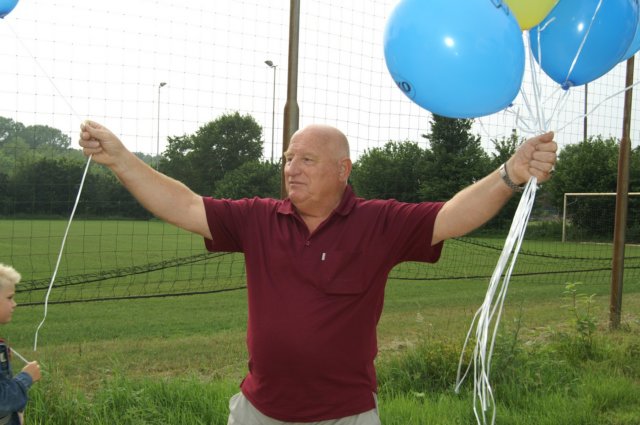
(345, 169)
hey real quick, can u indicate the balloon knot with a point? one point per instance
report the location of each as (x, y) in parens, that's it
(567, 85)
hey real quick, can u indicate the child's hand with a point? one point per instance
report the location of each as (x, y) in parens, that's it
(33, 369)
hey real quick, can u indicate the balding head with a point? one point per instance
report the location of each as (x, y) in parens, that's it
(332, 139)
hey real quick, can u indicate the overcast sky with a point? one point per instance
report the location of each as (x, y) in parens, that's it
(62, 61)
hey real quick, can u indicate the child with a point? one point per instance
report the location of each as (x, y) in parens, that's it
(13, 390)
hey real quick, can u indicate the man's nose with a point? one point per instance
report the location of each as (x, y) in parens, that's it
(292, 167)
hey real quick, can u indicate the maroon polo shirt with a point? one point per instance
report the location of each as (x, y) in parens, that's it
(315, 299)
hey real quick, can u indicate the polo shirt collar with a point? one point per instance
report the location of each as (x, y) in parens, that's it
(344, 208)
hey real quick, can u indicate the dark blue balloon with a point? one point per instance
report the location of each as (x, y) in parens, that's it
(6, 6)
(455, 58)
(605, 26)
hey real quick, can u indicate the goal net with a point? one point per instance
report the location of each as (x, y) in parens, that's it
(590, 217)
(158, 72)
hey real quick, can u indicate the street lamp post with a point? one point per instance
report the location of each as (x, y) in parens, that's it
(161, 85)
(273, 108)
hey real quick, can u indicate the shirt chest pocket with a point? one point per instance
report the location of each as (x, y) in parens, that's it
(339, 272)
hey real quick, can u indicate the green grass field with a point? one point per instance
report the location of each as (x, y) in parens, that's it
(177, 360)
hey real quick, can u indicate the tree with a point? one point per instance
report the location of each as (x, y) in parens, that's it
(634, 173)
(46, 187)
(634, 203)
(22, 146)
(218, 147)
(588, 166)
(15, 153)
(5, 200)
(505, 148)
(43, 136)
(8, 129)
(104, 196)
(394, 171)
(253, 178)
(456, 158)
(175, 160)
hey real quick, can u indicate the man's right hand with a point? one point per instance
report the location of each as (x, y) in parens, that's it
(100, 143)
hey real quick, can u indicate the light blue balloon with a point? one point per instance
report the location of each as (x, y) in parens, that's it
(455, 58)
(635, 43)
(6, 6)
(555, 42)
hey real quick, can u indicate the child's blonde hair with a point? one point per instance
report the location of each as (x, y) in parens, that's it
(8, 275)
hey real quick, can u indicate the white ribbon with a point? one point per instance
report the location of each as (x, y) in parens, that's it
(486, 320)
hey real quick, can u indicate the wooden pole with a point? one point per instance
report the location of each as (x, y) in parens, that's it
(291, 110)
(622, 202)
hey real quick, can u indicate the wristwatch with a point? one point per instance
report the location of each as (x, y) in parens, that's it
(507, 180)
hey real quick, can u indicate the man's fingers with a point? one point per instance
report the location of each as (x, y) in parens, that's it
(547, 137)
(93, 130)
(545, 142)
(90, 124)
(542, 166)
(90, 137)
(547, 156)
(91, 146)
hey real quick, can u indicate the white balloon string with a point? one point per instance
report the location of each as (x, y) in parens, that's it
(42, 70)
(559, 106)
(584, 40)
(73, 211)
(597, 106)
(19, 355)
(486, 321)
(64, 240)
(486, 132)
(538, 114)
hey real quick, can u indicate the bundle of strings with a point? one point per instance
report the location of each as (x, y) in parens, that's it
(484, 325)
(486, 320)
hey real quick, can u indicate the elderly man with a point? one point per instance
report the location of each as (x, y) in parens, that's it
(317, 264)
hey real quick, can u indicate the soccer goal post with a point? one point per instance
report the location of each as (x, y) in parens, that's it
(583, 194)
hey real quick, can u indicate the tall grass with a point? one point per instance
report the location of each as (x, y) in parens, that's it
(545, 382)
(179, 360)
(123, 400)
(535, 382)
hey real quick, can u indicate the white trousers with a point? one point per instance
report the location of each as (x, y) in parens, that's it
(242, 412)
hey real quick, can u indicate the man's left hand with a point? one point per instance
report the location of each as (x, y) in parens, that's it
(536, 157)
